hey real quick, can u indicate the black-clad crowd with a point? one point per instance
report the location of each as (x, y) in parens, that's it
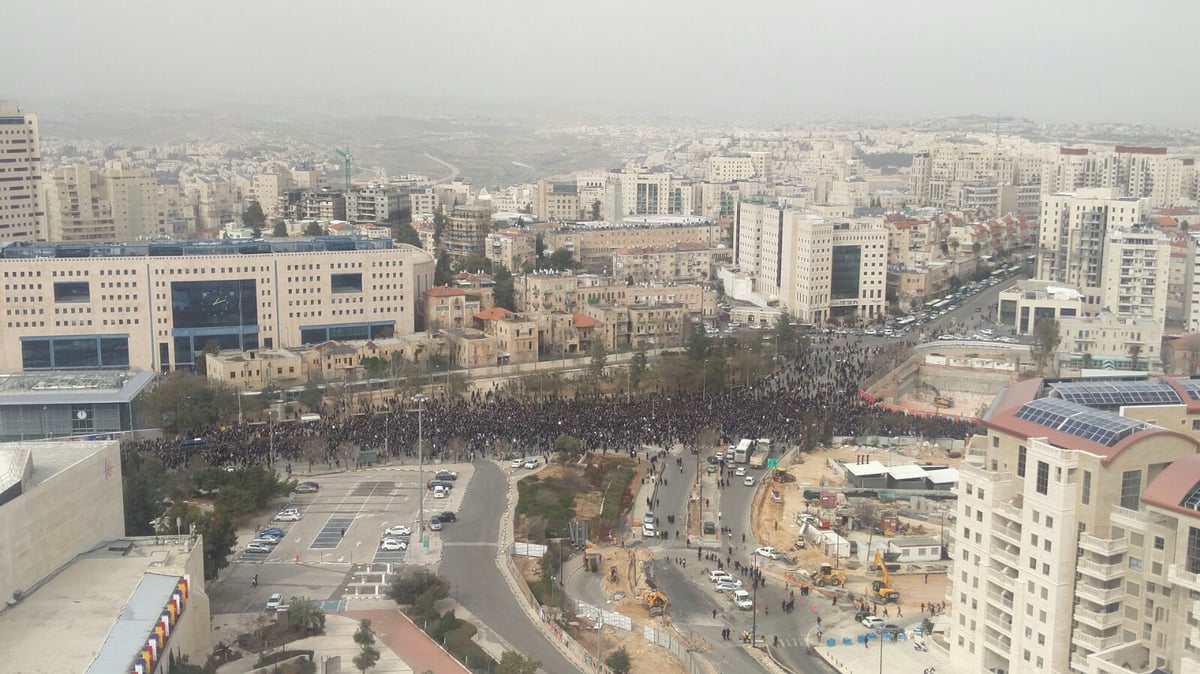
(817, 392)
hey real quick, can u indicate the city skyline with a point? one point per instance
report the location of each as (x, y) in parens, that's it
(780, 60)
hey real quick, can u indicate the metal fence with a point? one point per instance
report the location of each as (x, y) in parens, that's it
(659, 637)
(528, 549)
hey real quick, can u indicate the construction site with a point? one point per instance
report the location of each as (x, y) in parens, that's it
(953, 381)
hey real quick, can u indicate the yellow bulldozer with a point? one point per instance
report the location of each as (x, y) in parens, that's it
(827, 575)
(782, 476)
(882, 589)
(657, 602)
(943, 401)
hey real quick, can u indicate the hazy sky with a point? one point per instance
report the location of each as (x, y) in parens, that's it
(1051, 60)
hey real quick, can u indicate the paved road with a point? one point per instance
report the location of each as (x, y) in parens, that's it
(469, 562)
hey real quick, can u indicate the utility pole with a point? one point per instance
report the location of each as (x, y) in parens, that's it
(420, 399)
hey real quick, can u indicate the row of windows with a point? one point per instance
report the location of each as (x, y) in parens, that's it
(90, 351)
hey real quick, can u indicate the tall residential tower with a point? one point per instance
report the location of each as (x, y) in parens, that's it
(21, 211)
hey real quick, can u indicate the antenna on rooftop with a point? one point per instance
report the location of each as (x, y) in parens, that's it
(347, 160)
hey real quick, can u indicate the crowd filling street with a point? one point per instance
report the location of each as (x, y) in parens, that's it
(815, 392)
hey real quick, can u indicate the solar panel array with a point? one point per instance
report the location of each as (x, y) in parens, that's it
(1117, 393)
(1081, 421)
(1192, 501)
(1192, 386)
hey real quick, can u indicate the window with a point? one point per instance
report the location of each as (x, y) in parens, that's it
(1086, 490)
(72, 292)
(1043, 478)
(1159, 543)
(345, 283)
(1021, 451)
(1135, 563)
(107, 351)
(1131, 486)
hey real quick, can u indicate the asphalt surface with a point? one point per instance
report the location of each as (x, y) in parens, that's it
(469, 563)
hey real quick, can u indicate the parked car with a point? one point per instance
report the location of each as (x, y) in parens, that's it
(274, 601)
(860, 615)
(435, 524)
(446, 475)
(446, 484)
(768, 552)
(648, 531)
(398, 530)
(718, 575)
(518, 462)
(440, 492)
(742, 600)
(727, 587)
(307, 487)
(649, 518)
(448, 517)
(288, 517)
(888, 627)
(749, 481)
(531, 464)
(392, 545)
(268, 543)
(273, 531)
(871, 621)
(258, 548)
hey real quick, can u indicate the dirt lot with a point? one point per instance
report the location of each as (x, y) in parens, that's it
(645, 657)
(774, 524)
(965, 404)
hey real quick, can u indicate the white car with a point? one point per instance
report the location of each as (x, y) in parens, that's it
(742, 600)
(440, 492)
(768, 552)
(288, 517)
(275, 601)
(740, 471)
(392, 545)
(517, 463)
(648, 531)
(398, 530)
(720, 576)
(258, 548)
(266, 542)
(531, 464)
(727, 587)
(871, 621)
(749, 481)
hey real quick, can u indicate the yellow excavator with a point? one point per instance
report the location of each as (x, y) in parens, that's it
(827, 575)
(882, 589)
(657, 602)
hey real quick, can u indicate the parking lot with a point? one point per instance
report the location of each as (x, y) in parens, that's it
(340, 526)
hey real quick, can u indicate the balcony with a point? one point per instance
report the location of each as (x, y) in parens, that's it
(1097, 619)
(1100, 595)
(1006, 556)
(1181, 576)
(1096, 643)
(1135, 519)
(1007, 510)
(999, 599)
(998, 622)
(1000, 578)
(1103, 571)
(1104, 546)
(996, 644)
(1008, 534)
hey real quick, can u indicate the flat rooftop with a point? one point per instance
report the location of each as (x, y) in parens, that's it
(48, 459)
(64, 387)
(96, 614)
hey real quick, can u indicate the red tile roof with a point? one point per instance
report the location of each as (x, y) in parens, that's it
(444, 291)
(581, 321)
(1173, 485)
(494, 314)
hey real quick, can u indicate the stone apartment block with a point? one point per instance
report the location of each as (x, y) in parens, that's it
(593, 245)
(687, 262)
(1110, 341)
(1023, 304)
(466, 231)
(512, 248)
(153, 306)
(22, 212)
(1076, 542)
(516, 335)
(449, 308)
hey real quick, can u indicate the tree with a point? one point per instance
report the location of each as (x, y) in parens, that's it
(439, 227)
(618, 661)
(599, 356)
(567, 446)
(513, 662)
(1088, 359)
(405, 233)
(504, 291)
(698, 345)
(144, 485)
(562, 259)
(785, 334)
(219, 539)
(279, 229)
(596, 210)
(368, 655)
(409, 588)
(539, 247)
(975, 248)
(637, 368)
(253, 218)
(442, 272)
(1046, 338)
(474, 263)
(314, 229)
(1135, 350)
(186, 403)
(305, 615)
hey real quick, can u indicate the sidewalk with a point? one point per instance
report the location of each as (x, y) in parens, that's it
(899, 656)
(406, 640)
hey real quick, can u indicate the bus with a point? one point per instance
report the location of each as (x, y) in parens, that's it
(741, 453)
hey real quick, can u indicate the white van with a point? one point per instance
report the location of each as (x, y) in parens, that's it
(440, 492)
(648, 530)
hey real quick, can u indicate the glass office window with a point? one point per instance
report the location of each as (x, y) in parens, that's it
(35, 354)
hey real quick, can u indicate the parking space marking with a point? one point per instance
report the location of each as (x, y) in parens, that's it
(333, 605)
(330, 535)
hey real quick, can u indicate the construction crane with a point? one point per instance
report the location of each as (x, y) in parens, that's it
(347, 160)
(882, 588)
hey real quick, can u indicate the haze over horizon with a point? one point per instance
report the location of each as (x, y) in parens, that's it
(1054, 62)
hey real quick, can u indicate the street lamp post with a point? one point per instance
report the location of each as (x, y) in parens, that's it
(754, 600)
(599, 633)
(420, 399)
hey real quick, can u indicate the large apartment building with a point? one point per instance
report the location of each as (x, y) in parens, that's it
(467, 228)
(1056, 565)
(1074, 233)
(816, 267)
(1150, 173)
(117, 203)
(593, 245)
(954, 176)
(21, 208)
(154, 306)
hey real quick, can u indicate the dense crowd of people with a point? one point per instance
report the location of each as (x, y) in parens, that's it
(816, 392)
